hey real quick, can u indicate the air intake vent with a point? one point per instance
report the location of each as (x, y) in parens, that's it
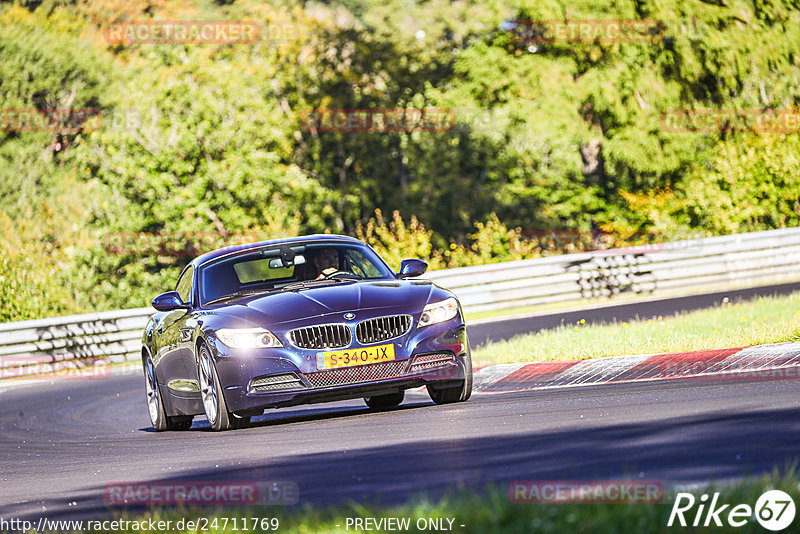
(430, 360)
(329, 336)
(382, 328)
(276, 382)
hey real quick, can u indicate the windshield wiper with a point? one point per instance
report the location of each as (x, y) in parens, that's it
(239, 294)
(308, 284)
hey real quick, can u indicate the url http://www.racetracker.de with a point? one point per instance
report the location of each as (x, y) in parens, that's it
(198, 524)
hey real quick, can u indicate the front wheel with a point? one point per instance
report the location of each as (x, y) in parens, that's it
(158, 415)
(458, 393)
(219, 418)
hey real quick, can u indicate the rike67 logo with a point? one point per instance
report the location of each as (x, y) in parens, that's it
(774, 510)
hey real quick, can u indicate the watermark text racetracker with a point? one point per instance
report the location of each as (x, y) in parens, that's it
(189, 243)
(44, 368)
(377, 120)
(533, 32)
(605, 243)
(585, 491)
(182, 32)
(179, 243)
(57, 120)
(771, 121)
(177, 493)
(721, 367)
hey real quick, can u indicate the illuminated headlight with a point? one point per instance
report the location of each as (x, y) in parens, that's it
(438, 312)
(248, 338)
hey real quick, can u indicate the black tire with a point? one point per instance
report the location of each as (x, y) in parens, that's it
(219, 418)
(468, 380)
(457, 393)
(155, 405)
(389, 400)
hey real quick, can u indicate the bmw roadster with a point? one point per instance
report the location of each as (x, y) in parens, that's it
(297, 321)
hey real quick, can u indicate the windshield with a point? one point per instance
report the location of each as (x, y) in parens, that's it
(278, 267)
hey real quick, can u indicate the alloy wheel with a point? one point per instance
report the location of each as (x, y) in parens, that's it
(151, 387)
(208, 388)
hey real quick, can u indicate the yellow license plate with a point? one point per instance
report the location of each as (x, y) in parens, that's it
(351, 357)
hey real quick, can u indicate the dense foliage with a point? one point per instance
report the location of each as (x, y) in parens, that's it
(192, 146)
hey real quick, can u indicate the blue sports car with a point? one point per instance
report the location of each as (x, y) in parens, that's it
(295, 321)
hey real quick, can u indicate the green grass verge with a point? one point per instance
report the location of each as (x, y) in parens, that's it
(489, 512)
(734, 324)
(622, 298)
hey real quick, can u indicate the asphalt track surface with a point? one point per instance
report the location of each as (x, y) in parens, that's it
(505, 328)
(62, 442)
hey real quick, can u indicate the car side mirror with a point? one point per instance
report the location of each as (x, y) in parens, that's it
(168, 301)
(412, 268)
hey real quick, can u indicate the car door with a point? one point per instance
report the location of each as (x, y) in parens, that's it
(175, 338)
(185, 326)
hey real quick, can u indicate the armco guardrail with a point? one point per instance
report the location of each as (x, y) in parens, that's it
(664, 269)
(71, 343)
(32, 347)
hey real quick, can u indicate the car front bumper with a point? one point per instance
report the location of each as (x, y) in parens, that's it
(272, 378)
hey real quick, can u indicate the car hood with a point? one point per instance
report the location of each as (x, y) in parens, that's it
(286, 306)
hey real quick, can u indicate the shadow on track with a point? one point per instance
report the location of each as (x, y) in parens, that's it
(276, 418)
(700, 448)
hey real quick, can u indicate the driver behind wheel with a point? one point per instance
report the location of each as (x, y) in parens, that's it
(326, 261)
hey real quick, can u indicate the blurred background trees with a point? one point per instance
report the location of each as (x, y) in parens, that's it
(198, 146)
